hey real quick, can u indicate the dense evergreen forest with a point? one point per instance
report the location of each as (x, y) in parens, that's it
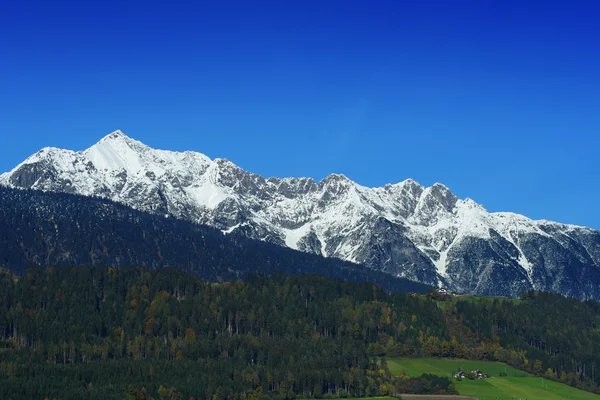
(44, 228)
(105, 333)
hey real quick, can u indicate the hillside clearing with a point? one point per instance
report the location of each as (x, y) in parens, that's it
(516, 385)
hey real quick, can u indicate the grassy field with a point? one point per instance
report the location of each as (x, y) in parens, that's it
(517, 385)
(446, 367)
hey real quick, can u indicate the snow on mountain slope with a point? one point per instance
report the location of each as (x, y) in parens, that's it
(405, 229)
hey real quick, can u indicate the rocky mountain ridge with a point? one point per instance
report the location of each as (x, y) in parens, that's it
(422, 233)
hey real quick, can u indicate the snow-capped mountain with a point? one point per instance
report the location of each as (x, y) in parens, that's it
(404, 229)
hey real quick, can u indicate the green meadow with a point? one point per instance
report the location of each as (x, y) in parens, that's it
(516, 385)
(447, 366)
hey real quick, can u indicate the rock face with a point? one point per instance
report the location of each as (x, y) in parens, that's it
(404, 229)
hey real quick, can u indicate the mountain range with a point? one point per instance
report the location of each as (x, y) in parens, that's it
(425, 234)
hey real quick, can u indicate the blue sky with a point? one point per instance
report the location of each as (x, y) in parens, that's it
(498, 100)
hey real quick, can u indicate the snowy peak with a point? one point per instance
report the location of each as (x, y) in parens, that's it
(335, 186)
(115, 135)
(423, 233)
(434, 203)
(443, 196)
(118, 139)
(117, 151)
(49, 153)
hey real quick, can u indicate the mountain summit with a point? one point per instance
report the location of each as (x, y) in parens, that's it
(422, 233)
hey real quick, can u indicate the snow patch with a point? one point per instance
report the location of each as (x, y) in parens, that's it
(208, 194)
(113, 155)
(293, 236)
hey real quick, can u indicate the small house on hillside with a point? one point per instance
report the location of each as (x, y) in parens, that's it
(459, 375)
(478, 374)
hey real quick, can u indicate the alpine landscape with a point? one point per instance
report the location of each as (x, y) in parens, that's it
(300, 200)
(406, 230)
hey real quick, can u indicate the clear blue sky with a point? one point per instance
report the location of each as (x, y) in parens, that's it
(499, 100)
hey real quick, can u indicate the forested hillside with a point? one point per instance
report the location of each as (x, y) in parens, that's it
(99, 333)
(45, 229)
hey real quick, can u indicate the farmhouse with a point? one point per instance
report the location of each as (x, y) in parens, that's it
(478, 374)
(475, 374)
